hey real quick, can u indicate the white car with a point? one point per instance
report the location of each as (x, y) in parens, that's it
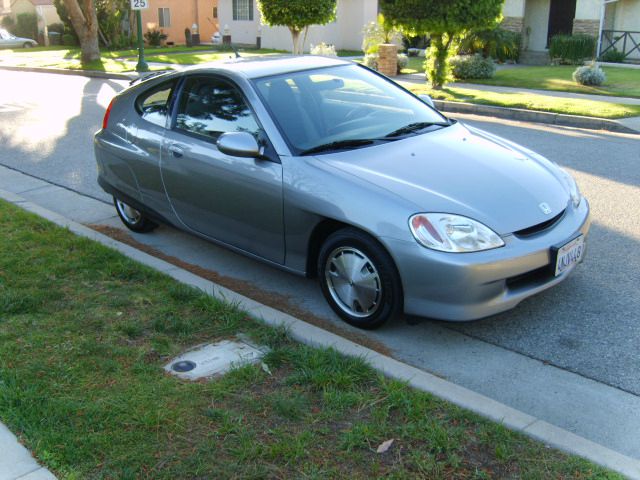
(8, 40)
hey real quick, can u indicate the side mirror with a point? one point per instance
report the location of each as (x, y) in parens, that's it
(239, 144)
(427, 99)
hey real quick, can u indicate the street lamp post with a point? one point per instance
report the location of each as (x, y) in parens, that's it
(138, 6)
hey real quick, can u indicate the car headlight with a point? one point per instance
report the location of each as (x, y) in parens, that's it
(572, 187)
(452, 233)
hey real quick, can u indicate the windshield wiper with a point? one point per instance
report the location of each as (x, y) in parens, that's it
(339, 145)
(414, 127)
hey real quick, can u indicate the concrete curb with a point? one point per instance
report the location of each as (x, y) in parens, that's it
(534, 116)
(315, 336)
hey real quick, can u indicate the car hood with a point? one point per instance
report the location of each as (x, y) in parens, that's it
(464, 171)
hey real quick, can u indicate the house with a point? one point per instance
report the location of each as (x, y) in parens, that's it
(44, 10)
(172, 17)
(241, 19)
(539, 20)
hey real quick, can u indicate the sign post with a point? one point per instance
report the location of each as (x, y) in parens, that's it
(138, 6)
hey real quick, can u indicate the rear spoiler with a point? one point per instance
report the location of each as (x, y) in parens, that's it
(147, 76)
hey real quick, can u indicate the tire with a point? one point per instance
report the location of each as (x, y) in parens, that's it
(371, 293)
(27, 45)
(132, 218)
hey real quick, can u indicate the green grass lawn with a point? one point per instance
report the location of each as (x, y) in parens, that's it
(68, 58)
(543, 103)
(84, 333)
(196, 58)
(621, 82)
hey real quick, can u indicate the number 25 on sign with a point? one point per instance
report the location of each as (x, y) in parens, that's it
(139, 4)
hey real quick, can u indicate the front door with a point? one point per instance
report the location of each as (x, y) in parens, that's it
(235, 200)
(561, 15)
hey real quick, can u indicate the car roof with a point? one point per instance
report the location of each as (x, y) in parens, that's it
(269, 65)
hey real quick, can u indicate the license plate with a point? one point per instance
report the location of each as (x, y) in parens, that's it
(569, 255)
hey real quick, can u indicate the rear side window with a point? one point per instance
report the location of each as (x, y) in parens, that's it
(153, 105)
(210, 106)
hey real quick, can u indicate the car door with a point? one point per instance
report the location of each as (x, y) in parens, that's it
(234, 200)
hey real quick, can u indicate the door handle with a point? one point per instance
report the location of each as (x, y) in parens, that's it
(175, 150)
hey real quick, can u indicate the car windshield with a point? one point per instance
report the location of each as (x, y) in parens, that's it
(343, 107)
(6, 35)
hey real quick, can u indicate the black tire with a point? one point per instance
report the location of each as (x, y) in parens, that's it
(372, 293)
(27, 45)
(132, 218)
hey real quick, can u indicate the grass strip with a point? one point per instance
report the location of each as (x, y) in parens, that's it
(621, 82)
(542, 103)
(84, 332)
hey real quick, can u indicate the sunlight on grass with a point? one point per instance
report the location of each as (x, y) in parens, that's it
(569, 106)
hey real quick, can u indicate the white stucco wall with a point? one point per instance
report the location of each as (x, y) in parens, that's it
(627, 15)
(344, 33)
(588, 9)
(5, 6)
(242, 31)
(513, 8)
(536, 23)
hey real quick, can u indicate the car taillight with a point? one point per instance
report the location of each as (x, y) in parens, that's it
(105, 120)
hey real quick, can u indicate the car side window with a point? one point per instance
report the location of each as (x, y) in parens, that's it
(211, 106)
(153, 105)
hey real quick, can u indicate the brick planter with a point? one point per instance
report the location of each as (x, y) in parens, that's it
(388, 59)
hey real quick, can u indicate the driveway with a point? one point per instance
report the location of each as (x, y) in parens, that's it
(569, 355)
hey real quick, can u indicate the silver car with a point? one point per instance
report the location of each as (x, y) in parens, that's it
(324, 168)
(8, 40)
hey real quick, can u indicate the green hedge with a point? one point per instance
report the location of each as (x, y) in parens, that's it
(572, 49)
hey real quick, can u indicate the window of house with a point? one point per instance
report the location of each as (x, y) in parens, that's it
(215, 12)
(210, 107)
(164, 17)
(243, 10)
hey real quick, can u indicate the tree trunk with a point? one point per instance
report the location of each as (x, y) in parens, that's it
(295, 36)
(438, 63)
(85, 22)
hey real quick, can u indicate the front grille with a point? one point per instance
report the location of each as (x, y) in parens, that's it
(527, 232)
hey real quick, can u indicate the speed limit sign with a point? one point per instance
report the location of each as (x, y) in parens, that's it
(139, 4)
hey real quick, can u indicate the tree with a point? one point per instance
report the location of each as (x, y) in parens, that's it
(445, 22)
(297, 15)
(84, 19)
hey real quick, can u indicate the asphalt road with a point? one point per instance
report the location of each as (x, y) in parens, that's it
(589, 325)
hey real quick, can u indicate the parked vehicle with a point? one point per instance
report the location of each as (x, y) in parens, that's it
(325, 168)
(8, 40)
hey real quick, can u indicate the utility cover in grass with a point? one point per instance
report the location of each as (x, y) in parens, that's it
(214, 359)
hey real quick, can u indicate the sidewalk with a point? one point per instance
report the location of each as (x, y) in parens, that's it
(16, 463)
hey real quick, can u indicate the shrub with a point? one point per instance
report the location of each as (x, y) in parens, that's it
(324, 50)
(472, 66)
(613, 56)
(8, 23)
(26, 25)
(154, 37)
(403, 61)
(56, 27)
(371, 60)
(571, 49)
(498, 43)
(69, 40)
(590, 74)
(375, 33)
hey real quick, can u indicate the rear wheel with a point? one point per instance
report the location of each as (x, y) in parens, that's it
(358, 279)
(132, 218)
(27, 45)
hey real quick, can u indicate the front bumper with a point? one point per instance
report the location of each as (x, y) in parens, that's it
(469, 286)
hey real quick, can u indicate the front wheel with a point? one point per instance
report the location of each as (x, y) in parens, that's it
(359, 279)
(27, 45)
(132, 218)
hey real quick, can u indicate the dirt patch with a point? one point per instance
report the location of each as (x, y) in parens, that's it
(274, 300)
